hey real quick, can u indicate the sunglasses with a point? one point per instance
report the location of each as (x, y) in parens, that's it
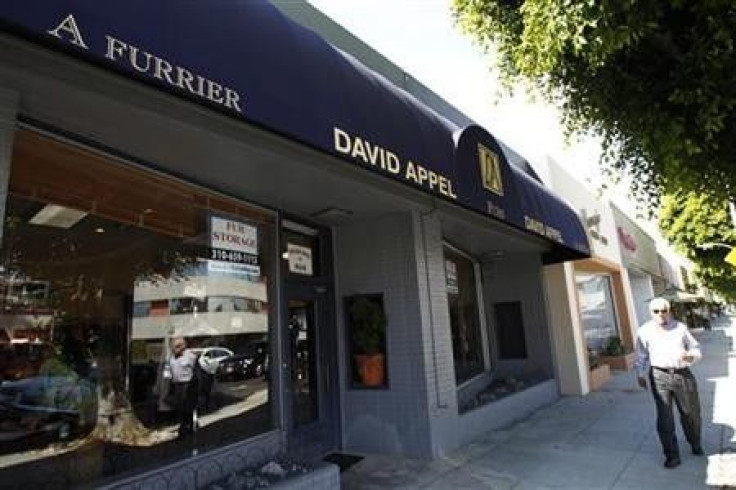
(660, 311)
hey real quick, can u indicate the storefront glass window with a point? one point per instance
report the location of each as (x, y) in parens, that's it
(462, 297)
(597, 309)
(130, 302)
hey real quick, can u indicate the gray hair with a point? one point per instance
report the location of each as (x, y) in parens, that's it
(659, 304)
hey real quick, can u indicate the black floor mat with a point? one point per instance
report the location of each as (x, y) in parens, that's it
(344, 461)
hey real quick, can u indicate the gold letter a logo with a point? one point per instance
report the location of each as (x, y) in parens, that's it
(490, 170)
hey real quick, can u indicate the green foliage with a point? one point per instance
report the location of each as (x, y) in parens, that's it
(594, 359)
(614, 346)
(368, 325)
(689, 220)
(653, 79)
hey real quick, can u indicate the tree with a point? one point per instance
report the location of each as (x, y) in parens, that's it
(689, 220)
(653, 79)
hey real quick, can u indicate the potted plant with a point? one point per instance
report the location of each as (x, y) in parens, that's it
(368, 330)
(614, 354)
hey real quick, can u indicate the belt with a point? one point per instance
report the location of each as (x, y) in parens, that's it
(672, 370)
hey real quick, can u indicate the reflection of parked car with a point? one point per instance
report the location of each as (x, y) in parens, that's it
(210, 357)
(250, 364)
(64, 405)
(21, 360)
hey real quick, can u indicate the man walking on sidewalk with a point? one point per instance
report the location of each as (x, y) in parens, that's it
(666, 348)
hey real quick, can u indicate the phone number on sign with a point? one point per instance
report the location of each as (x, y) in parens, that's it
(233, 256)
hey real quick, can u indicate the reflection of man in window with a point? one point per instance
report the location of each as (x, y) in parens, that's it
(183, 387)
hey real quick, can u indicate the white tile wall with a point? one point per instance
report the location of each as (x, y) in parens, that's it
(380, 256)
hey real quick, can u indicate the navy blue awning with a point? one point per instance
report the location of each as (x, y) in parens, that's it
(547, 215)
(251, 62)
(508, 193)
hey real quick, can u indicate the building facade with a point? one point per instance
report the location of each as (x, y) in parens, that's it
(232, 181)
(639, 257)
(598, 295)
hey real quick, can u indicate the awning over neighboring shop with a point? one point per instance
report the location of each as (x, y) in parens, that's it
(675, 295)
(547, 215)
(251, 62)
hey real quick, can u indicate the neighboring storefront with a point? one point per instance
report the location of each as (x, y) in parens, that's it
(639, 257)
(673, 268)
(597, 297)
(349, 269)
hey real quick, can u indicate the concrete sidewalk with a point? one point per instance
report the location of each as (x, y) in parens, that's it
(605, 440)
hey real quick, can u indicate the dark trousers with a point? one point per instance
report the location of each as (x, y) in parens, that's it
(681, 388)
(185, 396)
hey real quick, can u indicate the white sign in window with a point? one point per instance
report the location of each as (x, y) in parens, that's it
(451, 275)
(233, 247)
(233, 268)
(300, 259)
(228, 234)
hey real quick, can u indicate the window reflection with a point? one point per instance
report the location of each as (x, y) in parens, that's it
(462, 298)
(116, 323)
(302, 351)
(597, 309)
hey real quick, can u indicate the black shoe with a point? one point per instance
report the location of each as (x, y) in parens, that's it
(698, 450)
(672, 462)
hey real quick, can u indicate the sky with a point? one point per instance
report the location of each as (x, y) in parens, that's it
(420, 37)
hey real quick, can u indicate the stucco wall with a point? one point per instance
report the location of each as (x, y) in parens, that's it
(600, 225)
(566, 329)
(641, 290)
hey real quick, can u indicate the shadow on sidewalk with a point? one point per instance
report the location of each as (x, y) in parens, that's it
(717, 376)
(606, 439)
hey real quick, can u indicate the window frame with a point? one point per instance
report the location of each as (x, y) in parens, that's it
(271, 218)
(614, 306)
(486, 358)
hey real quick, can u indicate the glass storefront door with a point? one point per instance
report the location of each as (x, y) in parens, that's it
(310, 348)
(302, 357)
(311, 379)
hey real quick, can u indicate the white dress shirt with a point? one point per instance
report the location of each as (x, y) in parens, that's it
(182, 367)
(663, 346)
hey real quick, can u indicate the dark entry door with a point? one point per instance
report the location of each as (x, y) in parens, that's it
(310, 347)
(311, 374)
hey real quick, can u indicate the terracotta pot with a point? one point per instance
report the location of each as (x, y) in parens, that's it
(624, 362)
(599, 376)
(371, 369)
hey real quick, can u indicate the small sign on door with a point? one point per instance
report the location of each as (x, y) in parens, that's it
(300, 259)
(451, 277)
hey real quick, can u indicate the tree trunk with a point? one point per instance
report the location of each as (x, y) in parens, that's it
(116, 421)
